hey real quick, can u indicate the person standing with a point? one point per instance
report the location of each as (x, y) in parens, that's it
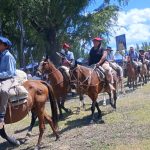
(7, 72)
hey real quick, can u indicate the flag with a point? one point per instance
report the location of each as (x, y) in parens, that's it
(121, 42)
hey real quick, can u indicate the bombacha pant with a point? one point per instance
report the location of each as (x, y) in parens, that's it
(4, 96)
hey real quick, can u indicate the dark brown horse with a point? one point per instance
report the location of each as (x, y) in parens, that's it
(132, 73)
(39, 92)
(89, 83)
(60, 84)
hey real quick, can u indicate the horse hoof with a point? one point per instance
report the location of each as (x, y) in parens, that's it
(57, 138)
(100, 121)
(28, 134)
(92, 122)
(13, 141)
(69, 111)
(61, 117)
(37, 147)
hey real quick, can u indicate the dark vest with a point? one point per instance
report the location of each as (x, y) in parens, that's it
(95, 55)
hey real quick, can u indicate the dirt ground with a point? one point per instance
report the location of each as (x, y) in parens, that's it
(127, 128)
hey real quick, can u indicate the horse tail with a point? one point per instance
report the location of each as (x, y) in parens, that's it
(52, 104)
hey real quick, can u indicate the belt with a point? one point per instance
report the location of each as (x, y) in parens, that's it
(5, 79)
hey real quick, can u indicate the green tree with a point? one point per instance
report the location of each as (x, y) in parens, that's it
(43, 25)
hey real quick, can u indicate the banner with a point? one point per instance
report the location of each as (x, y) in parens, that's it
(121, 42)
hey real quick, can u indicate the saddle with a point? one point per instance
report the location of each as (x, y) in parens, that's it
(65, 72)
(17, 93)
(100, 72)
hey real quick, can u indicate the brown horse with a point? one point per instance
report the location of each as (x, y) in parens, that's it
(144, 73)
(38, 94)
(89, 83)
(132, 73)
(60, 84)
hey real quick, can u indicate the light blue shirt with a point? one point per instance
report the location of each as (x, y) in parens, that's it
(7, 65)
(69, 55)
(110, 56)
(134, 55)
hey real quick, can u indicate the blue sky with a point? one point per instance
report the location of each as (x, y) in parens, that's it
(135, 17)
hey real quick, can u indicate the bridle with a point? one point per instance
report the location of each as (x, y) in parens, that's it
(76, 80)
(51, 73)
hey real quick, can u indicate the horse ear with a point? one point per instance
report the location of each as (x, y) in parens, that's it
(47, 57)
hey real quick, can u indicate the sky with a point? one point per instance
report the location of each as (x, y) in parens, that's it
(134, 22)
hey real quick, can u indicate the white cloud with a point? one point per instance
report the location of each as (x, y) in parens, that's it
(135, 23)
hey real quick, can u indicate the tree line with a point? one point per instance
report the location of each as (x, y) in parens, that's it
(40, 27)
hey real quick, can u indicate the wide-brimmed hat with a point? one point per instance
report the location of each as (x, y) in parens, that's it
(141, 50)
(97, 39)
(66, 45)
(5, 41)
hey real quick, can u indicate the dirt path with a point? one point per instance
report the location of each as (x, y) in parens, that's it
(128, 128)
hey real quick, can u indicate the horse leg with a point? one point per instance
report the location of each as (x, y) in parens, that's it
(104, 100)
(63, 105)
(93, 110)
(33, 119)
(49, 120)
(82, 102)
(100, 120)
(59, 107)
(11, 140)
(40, 113)
(112, 99)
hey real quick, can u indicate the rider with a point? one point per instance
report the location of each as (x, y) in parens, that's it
(147, 58)
(134, 58)
(141, 55)
(69, 56)
(98, 56)
(7, 72)
(113, 64)
(66, 62)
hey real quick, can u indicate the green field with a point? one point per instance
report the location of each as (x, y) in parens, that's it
(127, 128)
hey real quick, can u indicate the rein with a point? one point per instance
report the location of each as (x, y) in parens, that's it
(82, 83)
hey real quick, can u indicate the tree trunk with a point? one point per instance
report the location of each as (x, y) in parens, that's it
(52, 46)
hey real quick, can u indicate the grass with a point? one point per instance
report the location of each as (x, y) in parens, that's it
(127, 128)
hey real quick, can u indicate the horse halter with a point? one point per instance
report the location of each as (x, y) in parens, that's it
(77, 81)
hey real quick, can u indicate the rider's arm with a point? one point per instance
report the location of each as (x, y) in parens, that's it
(103, 58)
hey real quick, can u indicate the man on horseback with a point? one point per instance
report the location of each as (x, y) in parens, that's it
(68, 56)
(113, 64)
(98, 56)
(7, 72)
(134, 58)
(147, 58)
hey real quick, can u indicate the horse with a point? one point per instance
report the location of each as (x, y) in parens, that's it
(88, 82)
(144, 73)
(38, 94)
(132, 73)
(60, 84)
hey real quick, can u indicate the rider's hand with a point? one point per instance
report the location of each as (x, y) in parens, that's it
(97, 65)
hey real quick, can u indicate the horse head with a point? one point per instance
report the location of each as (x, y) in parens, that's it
(45, 66)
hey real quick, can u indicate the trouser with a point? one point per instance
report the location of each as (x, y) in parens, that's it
(147, 63)
(137, 65)
(4, 96)
(117, 68)
(108, 71)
